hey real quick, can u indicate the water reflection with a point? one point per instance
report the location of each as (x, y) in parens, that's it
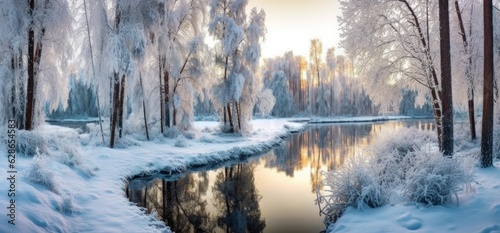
(272, 193)
(237, 200)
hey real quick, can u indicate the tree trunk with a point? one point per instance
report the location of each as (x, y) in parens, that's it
(488, 95)
(114, 115)
(167, 102)
(31, 71)
(162, 98)
(228, 108)
(447, 94)
(230, 118)
(174, 118)
(238, 114)
(144, 107)
(468, 74)
(121, 106)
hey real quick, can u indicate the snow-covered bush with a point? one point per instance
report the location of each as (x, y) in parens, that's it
(402, 140)
(28, 142)
(40, 174)
(189, 134)
(399, 163)
(70, 154)
(462, 137)
(434, 179)
(392, 153)
(68, 205)
(181, 141)
(354, 184)
(172, 132)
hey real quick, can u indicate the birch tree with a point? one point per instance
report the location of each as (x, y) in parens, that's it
(237, 55)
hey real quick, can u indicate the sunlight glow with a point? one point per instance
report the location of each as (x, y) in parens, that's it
(289, 29)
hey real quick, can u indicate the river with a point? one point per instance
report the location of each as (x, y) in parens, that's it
(273, 192)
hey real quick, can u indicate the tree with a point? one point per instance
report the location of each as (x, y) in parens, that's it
(391, 43)
(182, 58)
(126, 47)
(488, 95)
(331, 63)
(447, 97)
(315, 52)
(284, 100)
(36, 49)
(237, 55)
(468, 70)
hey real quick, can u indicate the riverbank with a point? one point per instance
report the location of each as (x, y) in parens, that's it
(80, 189)
(475, 208)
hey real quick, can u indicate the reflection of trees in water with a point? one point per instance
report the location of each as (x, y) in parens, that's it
(178, 203)
(237, 200)
(327, 147)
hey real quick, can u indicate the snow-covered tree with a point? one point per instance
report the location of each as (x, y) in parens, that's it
(35, 48)
(281, 91)
(238, 52)
(183, 57)
(392, 43)
(315, 53)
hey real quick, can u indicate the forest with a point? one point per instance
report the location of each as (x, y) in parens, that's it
(147, 66)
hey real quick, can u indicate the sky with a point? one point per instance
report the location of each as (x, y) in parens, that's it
(291, 24)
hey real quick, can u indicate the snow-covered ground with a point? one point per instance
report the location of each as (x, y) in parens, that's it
(86, 194)
(476, 208)
(478, 211)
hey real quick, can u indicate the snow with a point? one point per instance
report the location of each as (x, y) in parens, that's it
(88, 196)
(476, 210)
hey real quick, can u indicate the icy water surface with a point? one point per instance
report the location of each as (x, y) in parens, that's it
(270, 193)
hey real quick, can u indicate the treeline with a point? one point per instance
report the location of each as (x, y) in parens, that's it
(316, 87)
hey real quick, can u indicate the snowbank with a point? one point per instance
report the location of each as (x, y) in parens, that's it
(476, 209)
(82, 190)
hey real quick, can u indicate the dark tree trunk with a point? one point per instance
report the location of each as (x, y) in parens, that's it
(228, 108)
(174, 116)
(114, 115)
(488, 95)
(144, 107)
(468, 73)
(238, 113)
(167, 102)
(31, 71)
(230, 118)
(121, 106)
(446, 94)
(162, 98)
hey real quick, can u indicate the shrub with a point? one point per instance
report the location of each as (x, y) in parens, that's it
(28, 142)
(172, 132)
(181, 141)
(435, 179)
(40, 174)
(397, 161)
(354, 184)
